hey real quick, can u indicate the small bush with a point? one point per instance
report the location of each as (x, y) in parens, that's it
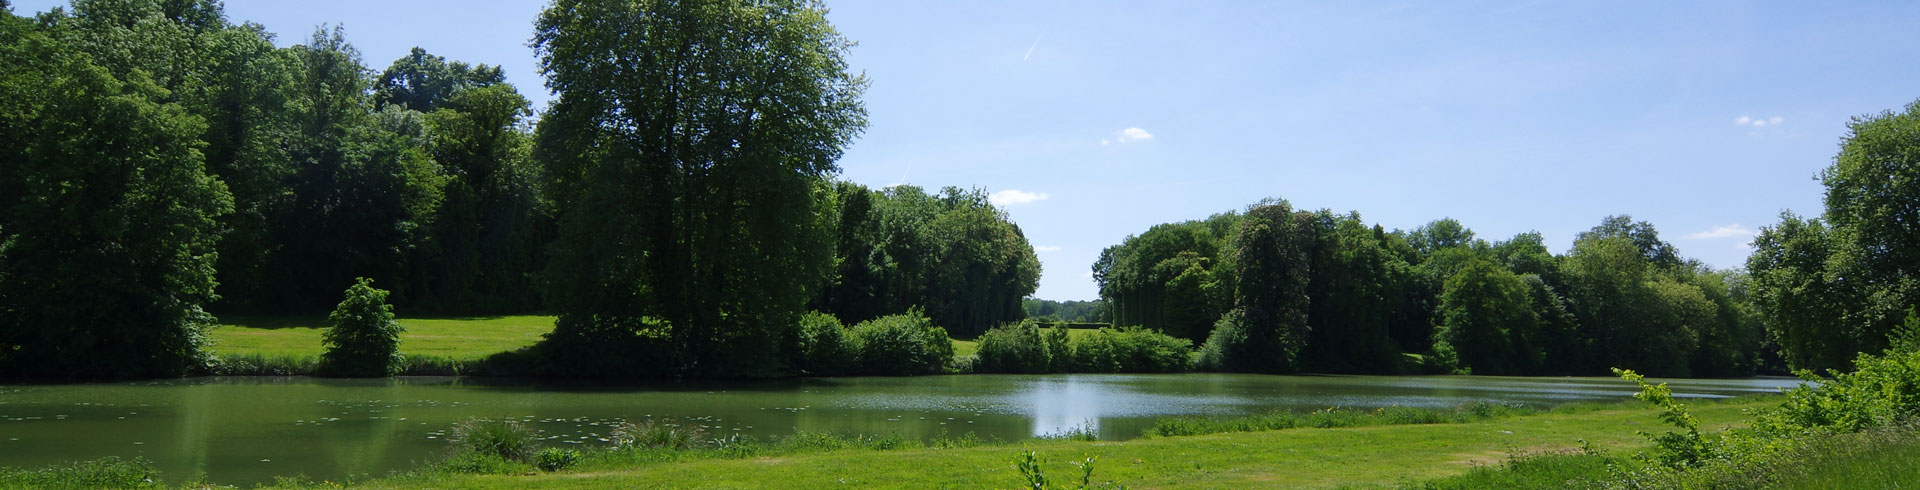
(825, 349)
(1014, 348)
(507, 439)
(1130, 350)
(651, 435)
(1060, 346)
(1882, 390)
(364, 340)
(555, 459)
(905, 344)
(1035, 477)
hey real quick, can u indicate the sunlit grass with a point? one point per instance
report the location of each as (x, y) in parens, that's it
(1384, 456)
(455, 338)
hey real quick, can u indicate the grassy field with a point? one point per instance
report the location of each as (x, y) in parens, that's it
(1361, 457)
(457, 338)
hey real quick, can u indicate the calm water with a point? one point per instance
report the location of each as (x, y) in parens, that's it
(247, 430)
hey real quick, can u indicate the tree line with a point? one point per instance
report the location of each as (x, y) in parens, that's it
(677, 198)
(1279, 289)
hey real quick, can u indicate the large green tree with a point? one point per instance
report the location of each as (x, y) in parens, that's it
(1487, 318)
(107, 217)
(1267, 327)
(687, 148)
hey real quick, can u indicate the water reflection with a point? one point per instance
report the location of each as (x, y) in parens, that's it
(247, 430)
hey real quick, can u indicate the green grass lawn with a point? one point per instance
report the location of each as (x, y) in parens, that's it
(457, 338)
(1361, 457)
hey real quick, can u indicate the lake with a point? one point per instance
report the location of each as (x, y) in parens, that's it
(246, 430)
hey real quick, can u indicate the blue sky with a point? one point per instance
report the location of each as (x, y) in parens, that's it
(1091, 121)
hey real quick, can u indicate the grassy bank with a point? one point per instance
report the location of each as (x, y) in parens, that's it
(1382, 456)
(453, 338)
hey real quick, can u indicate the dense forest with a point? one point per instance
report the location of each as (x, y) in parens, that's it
(676, 206)
(1279, 289)
(162, 161)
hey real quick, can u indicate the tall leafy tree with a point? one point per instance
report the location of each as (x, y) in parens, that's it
(1487, 318)
(1873, 204)
(1802, 307)
(423, 82)
(482, 248)
(107, 217)
(687, 147)
(363, 186)
(1267, 327)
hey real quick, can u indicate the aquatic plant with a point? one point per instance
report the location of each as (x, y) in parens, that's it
(508, 439)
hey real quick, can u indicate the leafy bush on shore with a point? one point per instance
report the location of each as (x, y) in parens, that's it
(902, 345)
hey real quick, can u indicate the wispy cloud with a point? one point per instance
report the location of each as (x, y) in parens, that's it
(1036, 44)
(1045, 248)
(1015, 196)
(1758, 122)
(1728, 231)
(1127, 135)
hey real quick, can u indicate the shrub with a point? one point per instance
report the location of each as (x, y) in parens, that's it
(1061, 348)
(651, 435)
(1882, 390)
(364, 340)
(1224, 347)
(1014, 348)
(905, 344)
(555, 459)
(825, 349)
(1130, 350)
(507, 439)
(1674, 449)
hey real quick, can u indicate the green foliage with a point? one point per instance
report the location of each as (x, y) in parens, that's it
(107, 217)
(1059, 349)
(953, 253)
(423, 82)
(1015, 348)
(556, 459)
(1332, 417)
(1883, 390)
(1096, 311)
(825, 347)
(108, 472)
(1488, 319)
(1687, 448)
(1131, 350)
(1028, 464)
(902, 345)
(364, 340)
(687, 174)
(652, 435)
(1169, 278)
(503, 438)
(1271, 271)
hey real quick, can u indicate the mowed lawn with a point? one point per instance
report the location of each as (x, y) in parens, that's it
(458, 338)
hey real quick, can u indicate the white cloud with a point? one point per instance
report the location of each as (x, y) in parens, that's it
(1015, 196)
(1728, 231)
(1045, 248)
(1126, 135)
(1758, 122)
